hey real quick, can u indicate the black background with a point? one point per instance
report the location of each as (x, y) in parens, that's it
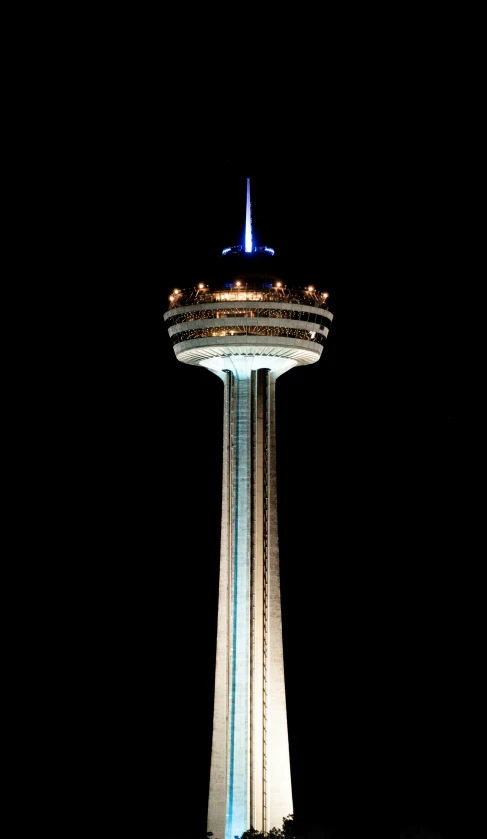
(368, 463)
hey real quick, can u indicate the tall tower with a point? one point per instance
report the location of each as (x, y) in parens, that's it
(248, 329)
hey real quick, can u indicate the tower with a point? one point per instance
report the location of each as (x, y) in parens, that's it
(248, 328)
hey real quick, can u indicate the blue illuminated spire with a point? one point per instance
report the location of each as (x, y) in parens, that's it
(249, 247)
(248, 222)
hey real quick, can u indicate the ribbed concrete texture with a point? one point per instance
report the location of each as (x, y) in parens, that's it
(250, 779)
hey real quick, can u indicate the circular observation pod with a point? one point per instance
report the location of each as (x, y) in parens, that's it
(251, 314)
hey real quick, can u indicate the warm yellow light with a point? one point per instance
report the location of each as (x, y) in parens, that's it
(171, 297)
(238, 282)
(278, 285)
(201, 285)
(311, 288)
(326, 295)
(175, 291)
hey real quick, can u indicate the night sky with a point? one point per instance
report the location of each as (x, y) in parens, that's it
(366, 453)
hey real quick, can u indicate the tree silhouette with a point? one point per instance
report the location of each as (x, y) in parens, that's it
(286, 832)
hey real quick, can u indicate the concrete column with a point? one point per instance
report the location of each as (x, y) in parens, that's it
(250, 777)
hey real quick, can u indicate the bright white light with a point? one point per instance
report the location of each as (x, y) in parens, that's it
(248, 222)
(278, 285)
(326, 295)
(201, 285)
(171, 297)
(226, 250)
(243, 365)
(270, 250)
(238, 282)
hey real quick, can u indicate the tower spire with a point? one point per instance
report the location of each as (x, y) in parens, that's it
(248, 221)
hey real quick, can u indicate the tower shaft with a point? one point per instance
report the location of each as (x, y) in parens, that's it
(250, 778)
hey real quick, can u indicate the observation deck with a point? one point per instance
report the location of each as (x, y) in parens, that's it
(258, 317)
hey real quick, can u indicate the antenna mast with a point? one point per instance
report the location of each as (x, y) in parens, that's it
(248, 221)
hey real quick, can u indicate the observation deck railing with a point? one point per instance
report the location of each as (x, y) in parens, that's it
(245, 291)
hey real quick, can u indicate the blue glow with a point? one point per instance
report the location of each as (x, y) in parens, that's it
(248, 222)
(270, 250)
(233, 249)
(229, 826)
(236, 817)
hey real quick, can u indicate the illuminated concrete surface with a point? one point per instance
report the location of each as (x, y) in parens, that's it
(248, 338)
(250, 780)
